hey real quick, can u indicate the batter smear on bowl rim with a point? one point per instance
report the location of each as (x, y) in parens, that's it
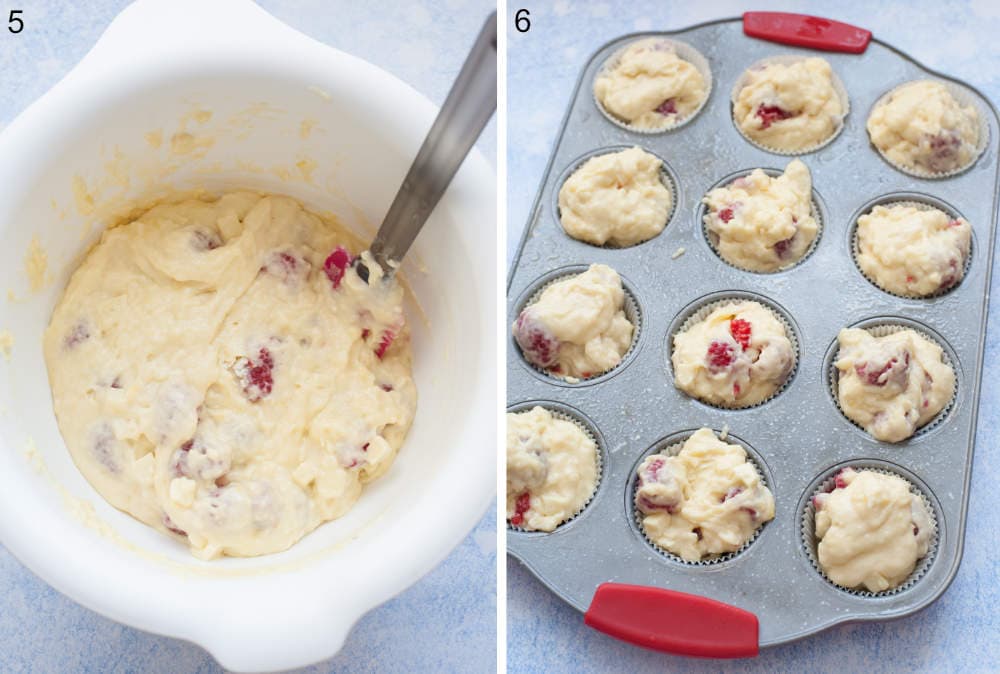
(220, 372)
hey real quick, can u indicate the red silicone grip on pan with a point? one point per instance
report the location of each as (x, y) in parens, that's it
(802, 30)
(673, 622)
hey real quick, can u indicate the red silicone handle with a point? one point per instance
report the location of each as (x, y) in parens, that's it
(802, 30)
(673, 622)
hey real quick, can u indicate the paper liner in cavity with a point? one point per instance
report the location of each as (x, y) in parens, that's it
(788, 59)
(881, 330)
(685, 52)
(922, 206)
(638, 516)
(965, 98)
(558, 412)
(666, 179)
(702, 312)
(814, 209)
(633, 312)
(810, 543)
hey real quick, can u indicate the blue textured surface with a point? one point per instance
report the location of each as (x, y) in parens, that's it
(444, 623)
(957, 633)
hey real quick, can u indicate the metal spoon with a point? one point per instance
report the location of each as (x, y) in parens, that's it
(469, 106)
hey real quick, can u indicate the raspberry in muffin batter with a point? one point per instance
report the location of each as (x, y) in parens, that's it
(220, 372)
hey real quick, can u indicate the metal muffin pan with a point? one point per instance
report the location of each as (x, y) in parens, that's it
(800, 434)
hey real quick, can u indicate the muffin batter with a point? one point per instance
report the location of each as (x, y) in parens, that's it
(577, 328)
(913, 251)
(551, 469)
(737, 356)
(921, 126)
(221, 375)
(891, 385)
(617, 199)
(793, 106)
(650, 87)
(762, 223)
(871, 530)
(706, 500)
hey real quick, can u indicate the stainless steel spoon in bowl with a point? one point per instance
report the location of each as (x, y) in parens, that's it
(468, 107)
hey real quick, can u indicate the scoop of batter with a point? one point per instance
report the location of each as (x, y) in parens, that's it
(551, 469)
(789, 106)
(921, 126)
(649, 86)
(577, 328)
(617, 198)
(221, 372)
(736, 356)
(706, 500)
(871, 530)
(762, 223)
(913, 251)
(892, 385)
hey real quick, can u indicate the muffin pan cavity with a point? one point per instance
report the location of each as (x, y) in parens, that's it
(671, 445)
(633, 312)
(667, 176)
(824, 483)
(574, 416)
(885, 325)
(816, 212)
(920, 201)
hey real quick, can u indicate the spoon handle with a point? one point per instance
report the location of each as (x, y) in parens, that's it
(469, 106)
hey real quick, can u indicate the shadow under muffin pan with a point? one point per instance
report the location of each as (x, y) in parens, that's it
(904, 198)
(799, 433)
(574, 416)
(632, 309)
(713, 301)
(673, 444)
(807, 520)
(816, 210)
(667, 177)
(887, 325)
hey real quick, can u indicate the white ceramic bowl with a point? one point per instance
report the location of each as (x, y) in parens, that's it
(159, 61)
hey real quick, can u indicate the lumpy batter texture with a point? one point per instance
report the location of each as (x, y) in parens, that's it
(221, 372)
(921, 126)
(789, 106)
(650, 87)
(871, 530)
(706, 500)
(551, 469)
(577, 328)
(894, 384)
(913, 251)
(762, 223)
(617, 198)
(737, 356)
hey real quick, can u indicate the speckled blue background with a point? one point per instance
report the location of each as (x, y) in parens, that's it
(444, 623)
(958, 633)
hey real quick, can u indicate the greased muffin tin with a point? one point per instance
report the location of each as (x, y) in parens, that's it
(769, 592)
